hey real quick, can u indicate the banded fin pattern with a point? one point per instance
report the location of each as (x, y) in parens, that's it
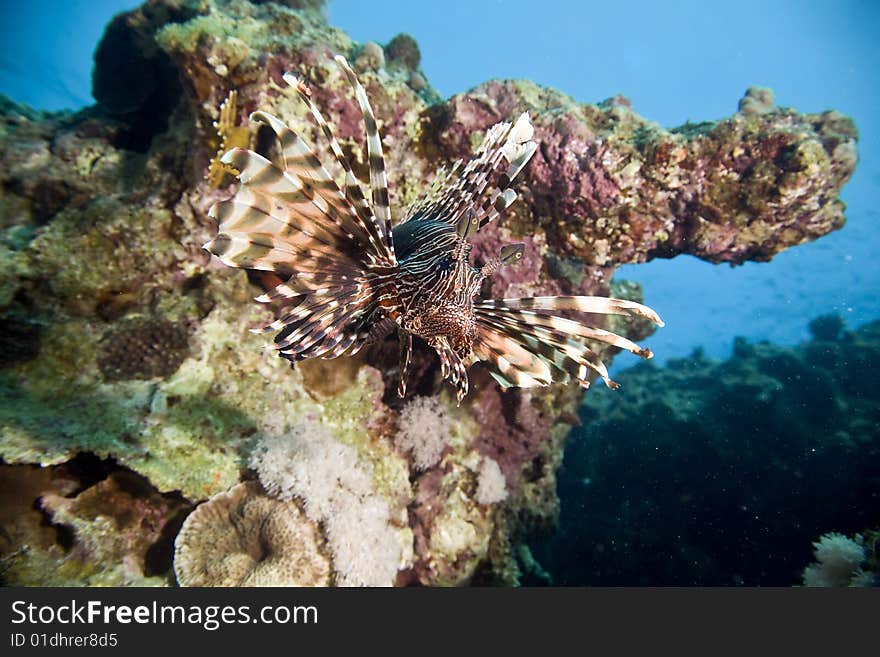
(560, 344)
(325, 241)
(503, 142)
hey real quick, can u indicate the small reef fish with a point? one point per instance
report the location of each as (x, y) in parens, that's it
(350, 276)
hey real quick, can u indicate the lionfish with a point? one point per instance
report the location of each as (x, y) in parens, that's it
(350, 277)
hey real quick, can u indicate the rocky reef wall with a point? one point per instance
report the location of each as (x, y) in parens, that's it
(131, 390)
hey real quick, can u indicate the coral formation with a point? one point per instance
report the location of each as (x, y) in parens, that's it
(491, 483)
(423, 431)
(245, 538)
(62, 528)
(839, 561)
(142, 349)
(124, 341)
(719, 473)
(338, 491)
(404, 50)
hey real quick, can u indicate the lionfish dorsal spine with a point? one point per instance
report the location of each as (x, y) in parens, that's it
(352, 191)
(378, 177)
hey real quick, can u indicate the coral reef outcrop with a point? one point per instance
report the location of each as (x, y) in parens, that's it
(124, 344)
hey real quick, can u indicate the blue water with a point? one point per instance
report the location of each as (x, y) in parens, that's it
(676, 61)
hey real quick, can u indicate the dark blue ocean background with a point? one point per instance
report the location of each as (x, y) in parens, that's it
(676, 61)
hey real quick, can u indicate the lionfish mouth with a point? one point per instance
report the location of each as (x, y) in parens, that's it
(343, 283)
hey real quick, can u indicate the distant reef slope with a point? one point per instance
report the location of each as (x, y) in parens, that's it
(724, 473)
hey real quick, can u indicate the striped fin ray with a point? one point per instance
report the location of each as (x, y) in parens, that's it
(518, 150)
(442, 179)
(451, 366)
(319, 332)
(254, 251)
(350, 333)
(353, 192)
(324, 327)
(509, 361)
(309, 278)
(598, 305)
(336, 333)
(405, 340)
(314, 303)
(469, 184)
(282, 199)
(348, 338)
(525, 319)
(303, 284)
(568, 356)
(301, 161)
(238, 218)
(378, 177)
(503, 142)
(265, 252)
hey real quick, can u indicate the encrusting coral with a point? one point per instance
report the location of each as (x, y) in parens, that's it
(104, 213)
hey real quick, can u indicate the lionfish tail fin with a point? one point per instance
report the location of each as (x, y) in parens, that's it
(524, 347)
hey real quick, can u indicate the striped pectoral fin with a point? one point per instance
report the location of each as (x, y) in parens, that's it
(565, 350)
(285, 257)
(272, 197)
(350, 207)
(528, 320)
(247, 212)
(353, 192)
(510, 360)
(598, 305)
(321, 330)
(253, 251)
(307, 280)
(299, 157)
(261, 174)
(308, 307)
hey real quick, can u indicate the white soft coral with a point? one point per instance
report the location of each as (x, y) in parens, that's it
(336, 487)
(838, 561)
